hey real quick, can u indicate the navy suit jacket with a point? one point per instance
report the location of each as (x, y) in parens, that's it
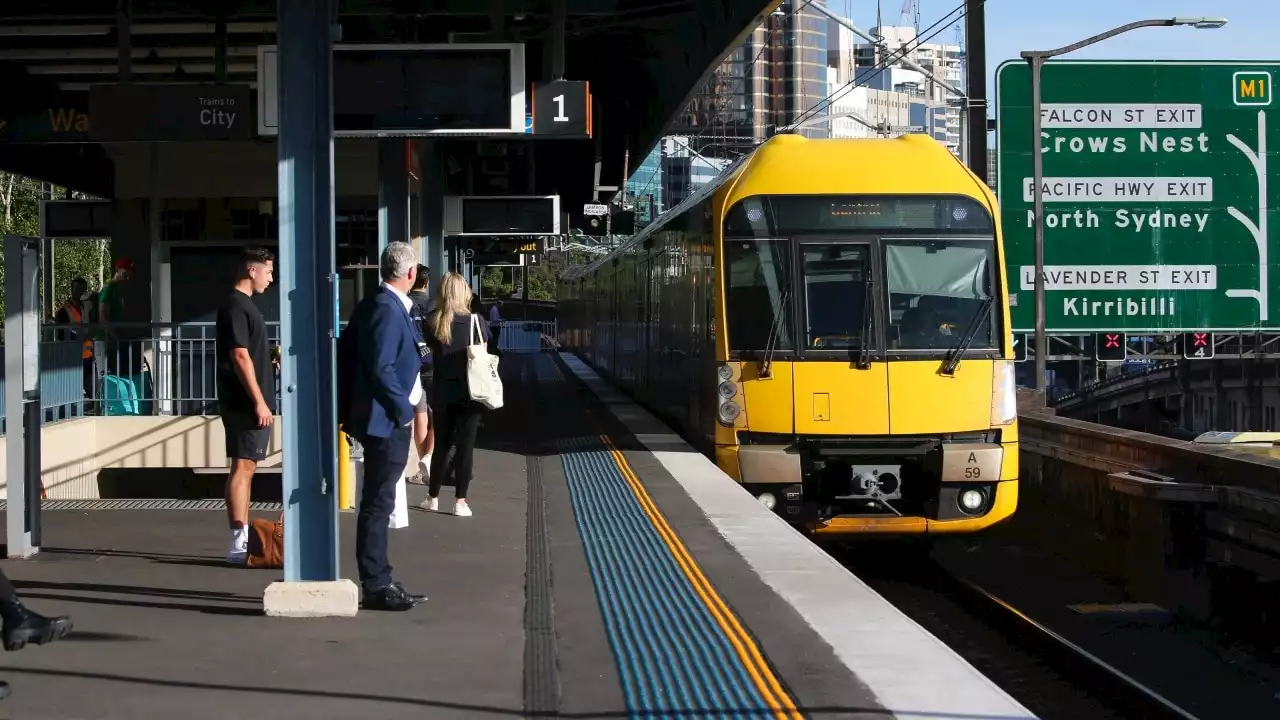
(386, 363)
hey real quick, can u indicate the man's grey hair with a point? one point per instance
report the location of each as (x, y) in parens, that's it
(397, 260)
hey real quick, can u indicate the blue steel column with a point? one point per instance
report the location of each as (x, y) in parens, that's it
(431, 209)
(305, 169)
(393, 193)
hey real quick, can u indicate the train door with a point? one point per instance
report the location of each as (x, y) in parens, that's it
(838, 332)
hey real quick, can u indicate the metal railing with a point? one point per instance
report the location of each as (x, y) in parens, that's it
(526, 336)
(134, 369)
(171, 368)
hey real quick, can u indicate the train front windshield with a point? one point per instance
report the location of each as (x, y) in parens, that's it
(839, 269)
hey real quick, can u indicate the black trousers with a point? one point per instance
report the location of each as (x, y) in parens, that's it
(384, 461)
(456, 426)
(6, 588)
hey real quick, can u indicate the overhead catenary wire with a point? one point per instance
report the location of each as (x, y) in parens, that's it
(888, 61)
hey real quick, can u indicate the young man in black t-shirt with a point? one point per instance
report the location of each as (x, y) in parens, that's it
(246, 389)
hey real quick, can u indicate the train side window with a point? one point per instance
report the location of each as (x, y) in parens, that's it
(758, 272)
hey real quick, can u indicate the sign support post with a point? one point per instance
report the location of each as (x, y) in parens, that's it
(22, 394)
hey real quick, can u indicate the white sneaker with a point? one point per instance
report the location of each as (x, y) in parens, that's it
(431, 504)
(461, 509)
(239, 546)
(424, 469)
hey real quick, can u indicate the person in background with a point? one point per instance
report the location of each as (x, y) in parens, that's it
(495, 324)
(424, 430)
(73, 312)
(379, 387)
(23, 627)
(458, 416)
(246, 389)
(111, 310)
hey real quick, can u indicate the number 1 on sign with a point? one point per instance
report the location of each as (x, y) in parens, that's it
(560, 116)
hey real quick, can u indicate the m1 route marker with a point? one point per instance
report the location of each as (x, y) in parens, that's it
(1155, 190)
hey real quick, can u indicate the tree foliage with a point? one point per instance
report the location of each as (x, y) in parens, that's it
(20, 215)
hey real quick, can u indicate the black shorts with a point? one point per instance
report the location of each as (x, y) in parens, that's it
(245, 440)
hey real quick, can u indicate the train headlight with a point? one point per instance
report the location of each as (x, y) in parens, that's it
(971, 501)
(768, 500)
(724, 372)
(729, 412)
(1004, 394)
(727, 390)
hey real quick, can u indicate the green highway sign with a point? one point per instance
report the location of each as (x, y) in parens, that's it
(1158, 206)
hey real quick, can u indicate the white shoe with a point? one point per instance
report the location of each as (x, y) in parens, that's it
(430, 504)
(239, 547)
(461, 509)
(424, 469)
(237, 557)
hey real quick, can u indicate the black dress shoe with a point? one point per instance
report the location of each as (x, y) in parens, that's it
(392, 597)
(4, 689)
(417, 599)
(22, 626)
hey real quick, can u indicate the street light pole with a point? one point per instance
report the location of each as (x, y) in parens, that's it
(1036, 58)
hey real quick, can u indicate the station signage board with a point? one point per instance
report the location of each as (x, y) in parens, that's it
(66, 122)
(562, 108)
(1156, 195)
(140, 112)
(413, 90)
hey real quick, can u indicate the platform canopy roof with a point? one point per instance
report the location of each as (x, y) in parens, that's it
(644, 59)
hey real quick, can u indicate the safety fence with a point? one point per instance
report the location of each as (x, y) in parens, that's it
(170, 368)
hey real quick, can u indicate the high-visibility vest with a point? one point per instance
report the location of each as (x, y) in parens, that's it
(73, 312)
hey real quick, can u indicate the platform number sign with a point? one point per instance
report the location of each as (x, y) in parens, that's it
(1019, 347)
(1109, 347)
(1197, 345)
(562, 108)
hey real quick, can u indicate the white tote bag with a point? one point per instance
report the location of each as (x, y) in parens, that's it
(482, 369)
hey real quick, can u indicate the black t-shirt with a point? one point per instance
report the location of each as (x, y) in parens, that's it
(240, 325)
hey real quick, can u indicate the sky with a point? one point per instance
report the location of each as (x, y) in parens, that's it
(1017, 25)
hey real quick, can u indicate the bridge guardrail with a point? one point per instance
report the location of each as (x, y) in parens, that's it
(1214, 503)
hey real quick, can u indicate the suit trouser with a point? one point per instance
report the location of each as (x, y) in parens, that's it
(6, 588)
(384, 461)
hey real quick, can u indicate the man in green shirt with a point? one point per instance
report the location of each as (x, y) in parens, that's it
(111, 310)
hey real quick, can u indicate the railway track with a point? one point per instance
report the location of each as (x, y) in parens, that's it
(1050, 675)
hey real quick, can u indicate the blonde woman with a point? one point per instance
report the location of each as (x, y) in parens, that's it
(452, 327)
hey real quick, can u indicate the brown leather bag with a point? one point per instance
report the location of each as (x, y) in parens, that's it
(266, 543)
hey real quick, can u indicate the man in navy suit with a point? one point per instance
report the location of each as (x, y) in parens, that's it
(379, 388)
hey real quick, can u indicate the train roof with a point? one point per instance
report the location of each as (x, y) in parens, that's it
(796, 165)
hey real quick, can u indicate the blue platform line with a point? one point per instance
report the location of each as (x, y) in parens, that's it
(691, 660)
(674, 692)
(659, 569)
(671, 653)
(654, 636)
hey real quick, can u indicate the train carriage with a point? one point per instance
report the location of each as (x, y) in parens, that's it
(828, 320)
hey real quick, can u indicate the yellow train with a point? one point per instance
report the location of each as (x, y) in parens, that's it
(829, 321)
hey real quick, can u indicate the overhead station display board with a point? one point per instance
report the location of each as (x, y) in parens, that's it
(1158, 210)
(413, 90)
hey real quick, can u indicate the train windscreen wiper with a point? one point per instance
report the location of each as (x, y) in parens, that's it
(952, 360)
(864, 349)
(775, 332)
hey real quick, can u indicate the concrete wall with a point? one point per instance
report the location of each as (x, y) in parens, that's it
(73, 452)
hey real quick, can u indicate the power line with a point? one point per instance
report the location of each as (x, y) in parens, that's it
(888, 61)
